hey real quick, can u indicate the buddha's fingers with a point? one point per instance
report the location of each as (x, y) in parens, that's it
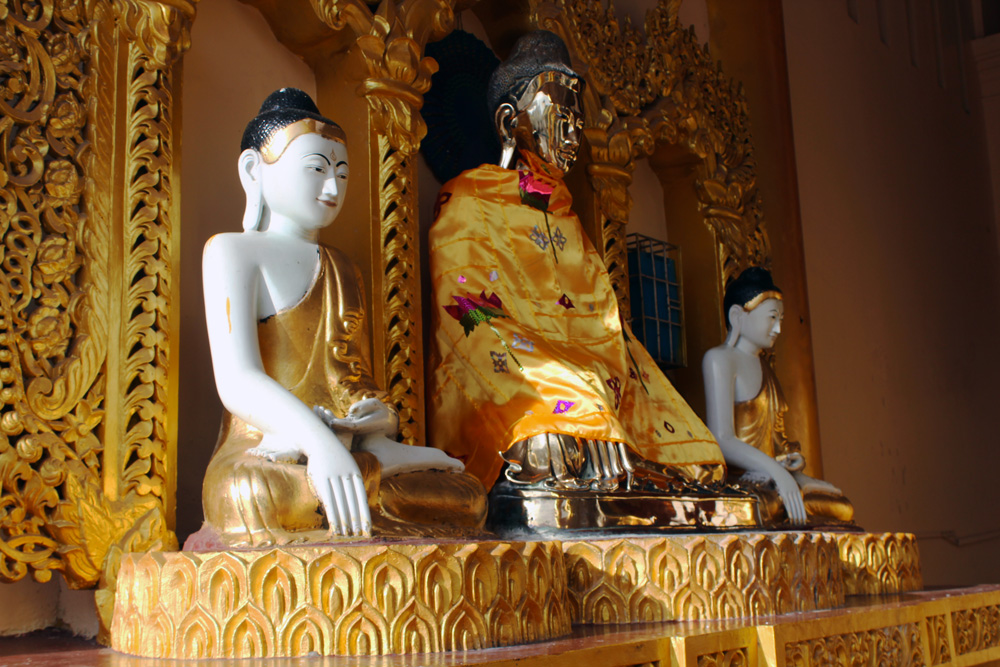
(611, 451)
(557, 462)
(340, 507)
(325, 492)
(353, 505)
(626, 465)
(797, 511)
(364, 513)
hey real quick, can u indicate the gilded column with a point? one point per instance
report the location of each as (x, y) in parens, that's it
(614, 143)
(394, 75)
(88, 211)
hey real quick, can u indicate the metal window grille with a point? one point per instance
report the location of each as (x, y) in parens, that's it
(654, 269)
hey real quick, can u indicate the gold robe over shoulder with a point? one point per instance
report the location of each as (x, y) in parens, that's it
(559, 359)
(760, 422)
(319, 350)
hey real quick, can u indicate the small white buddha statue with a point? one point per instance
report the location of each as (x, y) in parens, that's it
(308, 437)
(745, 410)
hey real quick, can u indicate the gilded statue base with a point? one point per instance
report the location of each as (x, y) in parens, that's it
(564, 513)
(648, 578)
(359, 599)
(879, 563)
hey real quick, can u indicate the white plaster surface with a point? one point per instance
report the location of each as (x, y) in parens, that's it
(27, 605)
(77, 611)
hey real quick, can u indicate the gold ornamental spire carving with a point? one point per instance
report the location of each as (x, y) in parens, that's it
(87, 216)
(614, 144)
(664, 80)
(387, 58)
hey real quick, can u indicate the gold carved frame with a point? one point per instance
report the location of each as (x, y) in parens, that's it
(88, 186)
(89, 221)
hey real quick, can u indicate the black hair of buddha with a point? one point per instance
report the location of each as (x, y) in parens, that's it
(746, 286)
(279, 110)
(534, 53)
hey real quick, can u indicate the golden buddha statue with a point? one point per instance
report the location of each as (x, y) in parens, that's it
(538, 385)
(746, 411)
(305, 451)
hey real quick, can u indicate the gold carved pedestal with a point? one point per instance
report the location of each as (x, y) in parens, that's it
(702, 577)
(369, 599)
(739, 575)
(421, 597)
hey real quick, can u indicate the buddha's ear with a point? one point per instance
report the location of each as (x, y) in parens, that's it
(249, 168)
(505, 118)
(735, 317)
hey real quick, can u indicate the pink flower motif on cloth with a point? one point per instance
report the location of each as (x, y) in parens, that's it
(631, 374)
(616, 386)
(472, 311)
(565, 302)
(494, 276)
(461, 279)
(534, 193)
(563, 406)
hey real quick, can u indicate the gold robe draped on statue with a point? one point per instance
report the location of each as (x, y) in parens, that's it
(319, 350)
(760, 422)
(559, 360)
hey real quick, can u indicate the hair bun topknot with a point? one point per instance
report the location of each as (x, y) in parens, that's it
(280, 109)
(288, 98)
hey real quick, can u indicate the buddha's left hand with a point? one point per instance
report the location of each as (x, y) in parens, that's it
(367, 416)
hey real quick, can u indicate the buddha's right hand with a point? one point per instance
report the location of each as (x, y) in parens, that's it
(337, 481)
(790, 494)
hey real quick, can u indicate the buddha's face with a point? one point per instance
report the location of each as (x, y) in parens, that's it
(762, 325)
(307, 184)
(549, 122)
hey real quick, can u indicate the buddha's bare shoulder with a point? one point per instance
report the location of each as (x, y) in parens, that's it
(720, 357)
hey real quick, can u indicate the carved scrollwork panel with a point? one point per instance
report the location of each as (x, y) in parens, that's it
(893, 645)
(85, 435)
(662, 82)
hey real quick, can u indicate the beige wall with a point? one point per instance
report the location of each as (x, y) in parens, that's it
(986, 56)
(902, 269)
(233, 64)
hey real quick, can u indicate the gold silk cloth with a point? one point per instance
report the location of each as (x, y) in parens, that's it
(760, 422)
(319, 350)
(554, 357)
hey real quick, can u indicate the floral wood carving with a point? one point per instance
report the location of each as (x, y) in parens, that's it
(86, 449)
(893, 645)
(661, 82)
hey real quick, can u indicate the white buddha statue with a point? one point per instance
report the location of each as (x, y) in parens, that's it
(745, 410)
(306, 448)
